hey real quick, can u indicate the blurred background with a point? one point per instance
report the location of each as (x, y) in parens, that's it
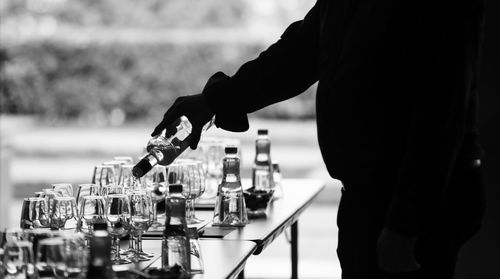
(83, 81)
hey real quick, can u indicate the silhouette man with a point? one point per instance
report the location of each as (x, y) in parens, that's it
(396, 118)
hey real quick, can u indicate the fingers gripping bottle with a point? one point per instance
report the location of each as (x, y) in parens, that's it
(230, 209)
(262, 171)
(163, 151)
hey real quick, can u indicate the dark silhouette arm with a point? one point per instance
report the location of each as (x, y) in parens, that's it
(286, 69)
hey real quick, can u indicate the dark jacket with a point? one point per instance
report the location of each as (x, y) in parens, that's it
(396, 97)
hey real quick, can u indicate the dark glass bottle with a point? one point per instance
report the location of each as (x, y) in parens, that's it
(262, 171)
(163, 151)
(175, 242)
(100, 266)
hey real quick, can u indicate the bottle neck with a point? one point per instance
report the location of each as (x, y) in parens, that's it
(231, 168)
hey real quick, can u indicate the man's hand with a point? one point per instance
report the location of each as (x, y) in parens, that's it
(396, 252)
(195, 108)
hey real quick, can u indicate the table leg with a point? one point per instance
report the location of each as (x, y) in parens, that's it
(295, 249)
(242, 274)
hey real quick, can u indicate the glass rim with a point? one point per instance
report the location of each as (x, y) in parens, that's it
(92, 197)
(117, 195)
(64, 198)
(87, 184)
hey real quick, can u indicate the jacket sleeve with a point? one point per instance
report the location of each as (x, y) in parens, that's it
(441, 68)
(286, 69)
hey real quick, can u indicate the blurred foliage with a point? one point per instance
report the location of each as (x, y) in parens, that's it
(65, 81)
(60, 79)
(132, 13)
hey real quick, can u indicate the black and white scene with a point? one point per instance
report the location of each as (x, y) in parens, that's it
(257, 139)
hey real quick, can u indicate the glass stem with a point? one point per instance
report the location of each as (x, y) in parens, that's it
(131, 242)
(117, 248)
(188, 209)
(192, 214)
(139, 243)
(155, 212)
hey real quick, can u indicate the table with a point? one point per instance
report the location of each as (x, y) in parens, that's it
(225, 257)
(281, 214)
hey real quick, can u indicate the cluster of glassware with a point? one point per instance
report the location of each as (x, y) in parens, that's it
(41, 253)
(123, 198)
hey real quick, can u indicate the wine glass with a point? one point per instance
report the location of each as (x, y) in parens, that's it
(104, 175)
(126, 179)
(18, 259)
(25, 215)
(178, 173)
(112, 189)
(64, 189)
(197, 190)
(196, 185)
(50, 194)
(214, 150)
(116, 164)
(86, 190)
(63, 209)
(92, 211)
(156, 184)
(141, 216)
(38, 213)
(118, 217)
(125, 159)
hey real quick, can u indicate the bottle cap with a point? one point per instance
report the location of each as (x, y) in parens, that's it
(101, 226)
(262, 132)
(231, 149)
(175, 188)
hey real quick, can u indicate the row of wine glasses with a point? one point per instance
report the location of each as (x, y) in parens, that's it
(123, 213)
(125, 205)
(50, 208)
